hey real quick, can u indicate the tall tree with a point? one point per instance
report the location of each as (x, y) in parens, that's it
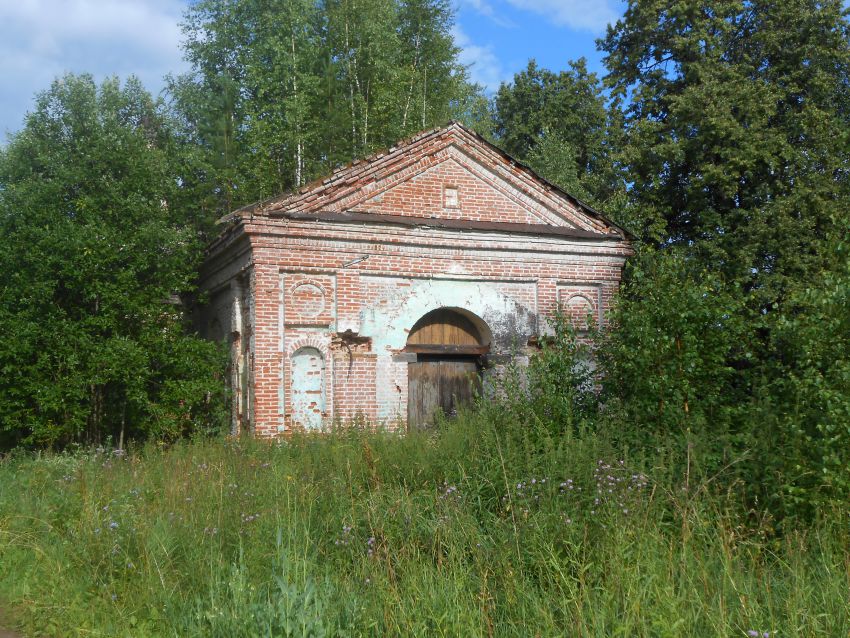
(362, 37)
(283, 77)
(560, 123)
(281, 91)
(94, 254)
(209, 103)
(738, 124)
(738, 119)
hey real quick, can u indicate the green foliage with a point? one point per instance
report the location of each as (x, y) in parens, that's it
(94, 253)
(562, 126)
(560, 382)
(808, 411)
(282, 91)
(738, 151)
(290, 606)
(739, 137)
(671, 356)
(479, 529)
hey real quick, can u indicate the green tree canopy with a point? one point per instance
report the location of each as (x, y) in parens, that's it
(737, 116)
(561, 124)
(737, 113)
(94, 256)
(282, 91)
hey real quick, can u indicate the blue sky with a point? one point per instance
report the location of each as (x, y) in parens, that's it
(40, 39)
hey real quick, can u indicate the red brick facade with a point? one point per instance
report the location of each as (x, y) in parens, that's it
(317, 290)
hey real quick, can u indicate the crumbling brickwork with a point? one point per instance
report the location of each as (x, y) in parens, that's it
(318, 290)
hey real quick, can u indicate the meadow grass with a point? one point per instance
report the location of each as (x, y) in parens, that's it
(478, 529)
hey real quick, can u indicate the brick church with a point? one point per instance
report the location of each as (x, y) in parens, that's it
(394, 286)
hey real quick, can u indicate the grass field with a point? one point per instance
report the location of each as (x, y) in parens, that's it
(478, 530)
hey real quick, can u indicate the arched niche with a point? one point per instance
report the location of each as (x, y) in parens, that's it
(579, 310)
(308, 394)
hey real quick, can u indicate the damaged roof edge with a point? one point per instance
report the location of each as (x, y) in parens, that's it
(249, 209)
(584, 206)
(317, 182)
(446, 224)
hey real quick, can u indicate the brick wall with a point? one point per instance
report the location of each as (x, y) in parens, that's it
(352, 291)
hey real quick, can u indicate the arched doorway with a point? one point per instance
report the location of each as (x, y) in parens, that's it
(448, 344)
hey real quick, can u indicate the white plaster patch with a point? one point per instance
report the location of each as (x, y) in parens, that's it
(389, 318)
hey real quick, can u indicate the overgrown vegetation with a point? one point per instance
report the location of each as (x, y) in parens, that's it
(527, 516)
(96, 251)
(693, 483)
(493, 526)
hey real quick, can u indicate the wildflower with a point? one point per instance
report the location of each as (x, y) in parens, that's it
(448, 491)
(344, 540)
(113, 525)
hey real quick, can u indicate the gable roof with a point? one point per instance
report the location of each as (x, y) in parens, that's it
(358, 187)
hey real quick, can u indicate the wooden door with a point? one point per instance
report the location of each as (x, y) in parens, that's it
(439, 384)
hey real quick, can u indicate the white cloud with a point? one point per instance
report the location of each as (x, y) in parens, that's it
(41, 39)
(481, 6)
(589, 15)
(485, 68)
(485, 8)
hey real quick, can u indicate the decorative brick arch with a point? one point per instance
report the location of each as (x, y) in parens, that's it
(576, 307)
(311, 341)
(312, 281)
(309, 308)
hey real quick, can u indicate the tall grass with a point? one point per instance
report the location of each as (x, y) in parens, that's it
(484, 528)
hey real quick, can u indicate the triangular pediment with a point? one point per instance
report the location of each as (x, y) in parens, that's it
(449, 173)
(452, 185)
